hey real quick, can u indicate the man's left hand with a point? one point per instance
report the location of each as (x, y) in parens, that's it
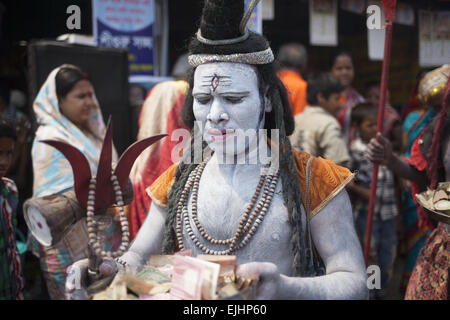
(269, 278)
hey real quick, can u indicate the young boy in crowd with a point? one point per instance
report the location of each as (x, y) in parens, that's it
(364, 119)
(317, 130)
(11, 281)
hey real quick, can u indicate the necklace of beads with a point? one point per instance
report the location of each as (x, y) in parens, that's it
(245, 230)
(92, 226)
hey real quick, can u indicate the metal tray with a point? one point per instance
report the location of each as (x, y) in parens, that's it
(438, 216)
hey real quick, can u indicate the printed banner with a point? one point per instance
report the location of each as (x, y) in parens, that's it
(127, 24)
(323, 22)
(434, 38)
(255, 21)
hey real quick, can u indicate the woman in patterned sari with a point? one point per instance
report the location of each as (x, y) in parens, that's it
(414, 236)
(428, 164)
(67, 110)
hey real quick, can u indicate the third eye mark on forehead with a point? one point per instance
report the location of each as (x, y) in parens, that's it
(215, 80)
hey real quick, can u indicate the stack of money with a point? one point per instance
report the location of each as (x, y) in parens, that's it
(129, 284)
(180, 276)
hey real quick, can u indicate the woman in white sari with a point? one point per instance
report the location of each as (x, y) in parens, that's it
(67, 110)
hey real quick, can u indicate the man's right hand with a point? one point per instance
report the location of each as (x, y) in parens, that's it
(77, 280)
(380, 150)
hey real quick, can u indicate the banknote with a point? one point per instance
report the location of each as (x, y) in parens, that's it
(166, 270)
(227, 265)
(186, 278)
(161, 288)
(150, 273)
(210, 276)
(158, 296)
(138, 286)
(187, 253)
(160, 260)
(116, 291)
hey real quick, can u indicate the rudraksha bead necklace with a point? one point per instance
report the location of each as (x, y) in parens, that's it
(93, 227)
(269, 181)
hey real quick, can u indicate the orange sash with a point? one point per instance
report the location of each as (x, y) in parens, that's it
(327, 180)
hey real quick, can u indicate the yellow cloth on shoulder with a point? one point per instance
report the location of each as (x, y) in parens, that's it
(327, 180)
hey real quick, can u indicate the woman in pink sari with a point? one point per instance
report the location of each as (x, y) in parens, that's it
(160, 114)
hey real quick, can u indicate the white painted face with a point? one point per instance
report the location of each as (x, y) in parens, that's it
(226, 99)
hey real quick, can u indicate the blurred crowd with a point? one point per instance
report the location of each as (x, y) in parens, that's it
(332, 120)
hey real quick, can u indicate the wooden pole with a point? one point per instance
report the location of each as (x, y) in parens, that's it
(381, 107)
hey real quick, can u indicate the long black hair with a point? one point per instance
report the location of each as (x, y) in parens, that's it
(66, 79)
(339, 53)
(323, 83)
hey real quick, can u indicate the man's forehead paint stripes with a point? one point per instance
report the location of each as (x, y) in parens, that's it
(215, 80)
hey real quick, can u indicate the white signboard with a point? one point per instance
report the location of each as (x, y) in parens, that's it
(323, 22)
(375, 37)
(434, 38)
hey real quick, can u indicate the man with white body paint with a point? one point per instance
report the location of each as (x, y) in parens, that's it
(297, 253)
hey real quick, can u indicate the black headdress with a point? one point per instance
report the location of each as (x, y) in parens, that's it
(223, 31)
(224, 37)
